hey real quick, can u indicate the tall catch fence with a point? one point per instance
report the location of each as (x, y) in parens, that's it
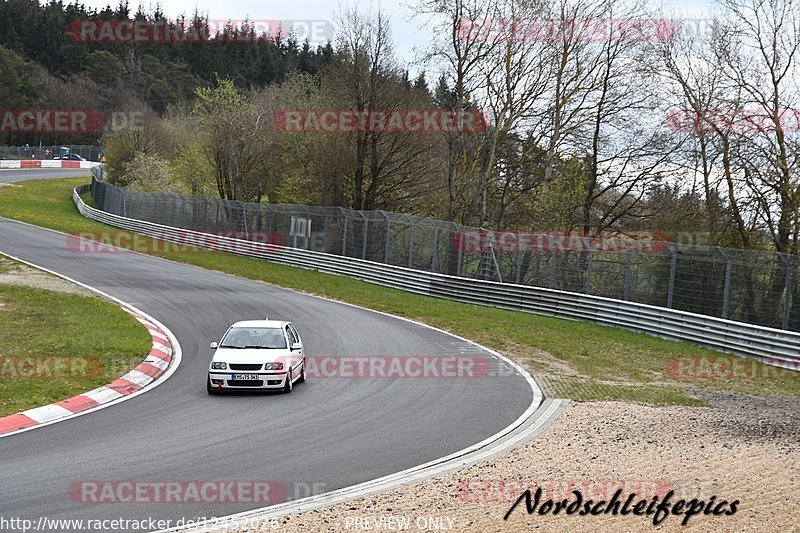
(749, 286)
(87, 151)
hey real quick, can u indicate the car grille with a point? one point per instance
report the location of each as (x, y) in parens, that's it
(245, 383)
(245, 366)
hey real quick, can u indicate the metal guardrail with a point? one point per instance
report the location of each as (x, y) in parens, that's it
(87, 151)
(752, 286)
(771, 346)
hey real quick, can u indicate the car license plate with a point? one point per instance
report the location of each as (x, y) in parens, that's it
(235, 377)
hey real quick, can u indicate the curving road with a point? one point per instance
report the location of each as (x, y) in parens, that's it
(9, 175)
(329, 432)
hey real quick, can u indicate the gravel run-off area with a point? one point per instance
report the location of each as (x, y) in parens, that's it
(740, 448)
(14, 273)
(744, 448)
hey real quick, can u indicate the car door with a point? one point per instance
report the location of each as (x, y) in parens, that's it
(298, 354)
(293, 356)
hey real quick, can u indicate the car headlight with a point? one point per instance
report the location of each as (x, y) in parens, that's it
(273, 366)
(219, 365)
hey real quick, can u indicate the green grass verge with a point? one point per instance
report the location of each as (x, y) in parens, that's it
(590, 389)
(584, 361)
(55, 345)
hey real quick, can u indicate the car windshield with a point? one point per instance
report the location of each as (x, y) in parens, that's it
(263, 338)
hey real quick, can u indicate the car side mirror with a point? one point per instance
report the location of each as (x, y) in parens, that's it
(213, 346)
(297, 346)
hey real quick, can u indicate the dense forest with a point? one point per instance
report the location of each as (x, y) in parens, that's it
(597, 116)
(45, 66)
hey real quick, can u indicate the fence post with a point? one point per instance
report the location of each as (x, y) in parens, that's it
(173, 211)
(98, 195)
(325, 232)
(258, 218)
(307, 236)
(388, 236)
(553, 262)
(672, 274)
(589, 273)
(366, 237)
(787, 301)
(435, 259)
(519, 265)
(344, 237)
(411, 246)
(628, 276)
(726, 296)
(460, 252)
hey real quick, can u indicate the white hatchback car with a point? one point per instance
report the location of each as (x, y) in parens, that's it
(257, 355)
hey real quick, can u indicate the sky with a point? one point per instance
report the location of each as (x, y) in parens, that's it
(407, 33)
(411, 32)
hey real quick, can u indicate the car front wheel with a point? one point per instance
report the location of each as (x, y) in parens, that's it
(288, 386)
(209, 388)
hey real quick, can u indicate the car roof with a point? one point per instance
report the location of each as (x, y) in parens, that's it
(260, 324)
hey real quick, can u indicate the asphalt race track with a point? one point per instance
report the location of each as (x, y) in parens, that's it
(38, 173)
(328, 433)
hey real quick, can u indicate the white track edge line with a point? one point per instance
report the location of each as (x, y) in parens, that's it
(176, 347)
(535, 403)
(425, 470)
(375, 486)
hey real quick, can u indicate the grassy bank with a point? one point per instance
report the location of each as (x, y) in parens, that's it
(576, 360)
(54, 345)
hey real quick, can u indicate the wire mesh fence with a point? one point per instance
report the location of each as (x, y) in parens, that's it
(749, 286)
(86, 151)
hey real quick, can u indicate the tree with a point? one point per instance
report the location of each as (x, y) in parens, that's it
(761, 58)
(387, 169)
(141, 134)
(104, 67)
(235, 137)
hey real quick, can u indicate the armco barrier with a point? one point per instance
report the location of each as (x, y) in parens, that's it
(751, 286)
(46, 163)
(772, 346)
